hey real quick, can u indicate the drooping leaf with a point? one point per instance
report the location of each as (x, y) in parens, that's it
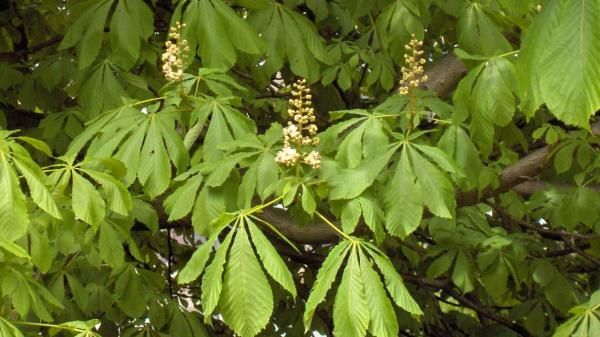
(271, 260)
(246, 301)
(394, 283)
(13, 209)
(110, 246)
(557, 63)
(403, 200)
(195, 266)
(87, 31)
(87, 202)
(478, 34)
(350, 310)
(287, 34)
(324, 280)
(217, 31)
(382, 322)
(131, 23)
(361, 176)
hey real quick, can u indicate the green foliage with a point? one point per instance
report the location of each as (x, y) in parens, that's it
(136, 206)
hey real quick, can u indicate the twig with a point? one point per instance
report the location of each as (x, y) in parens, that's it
(569, 242)
(545, 232)
(481, 311)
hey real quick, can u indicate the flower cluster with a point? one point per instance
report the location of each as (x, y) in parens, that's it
(412, 73)
(301, 131)
(176, 49)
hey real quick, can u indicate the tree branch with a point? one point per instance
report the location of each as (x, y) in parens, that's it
(443, 75)
(19, 53)
(520, 172)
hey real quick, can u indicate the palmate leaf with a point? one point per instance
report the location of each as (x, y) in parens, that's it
(350, 310)
(183, 324)
(13, 248)
(110, 246)
(397, 22)
(146, 143)
(271, 260)
(203, 191)
(365, 140)
(37, 189)
(100, 89)
(478, 34)
(181, 201)
(28, 296)
(130, 292)
(212, 282)
(89, 205)
(195, 266)
(325, 278)
(440, 199)
(234, 281)
(13, 208)
(226, 124)
(14, 217)
(393, 281)
(585, 321)
(88, 30)
(362, 176)
(247, 300)
(559, 63)
(290, 35)
(486, 94)
(457, 144)
(118, 197)
(154, 171)
(131, 23)
(403, 200)
(420, 167)
(382, 321)
(217, 31)
(361, 303)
